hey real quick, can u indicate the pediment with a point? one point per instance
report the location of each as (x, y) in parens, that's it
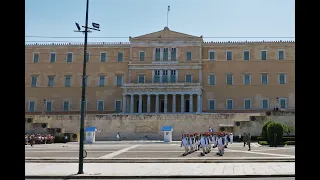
(166, 34)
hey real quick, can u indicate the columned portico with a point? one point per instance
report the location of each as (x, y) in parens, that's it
(162, 99)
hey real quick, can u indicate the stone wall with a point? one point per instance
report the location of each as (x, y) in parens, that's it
(134, 127)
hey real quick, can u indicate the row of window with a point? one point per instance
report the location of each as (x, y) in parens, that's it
(118, 105)
(67, 106)
(247, 104)
(165, 78)
(162, 55)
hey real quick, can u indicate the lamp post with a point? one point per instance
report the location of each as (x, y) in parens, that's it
(83, 94)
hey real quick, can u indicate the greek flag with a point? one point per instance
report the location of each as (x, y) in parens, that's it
(168, 8)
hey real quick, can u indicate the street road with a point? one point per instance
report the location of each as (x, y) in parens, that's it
(282, 178)
(150, 150)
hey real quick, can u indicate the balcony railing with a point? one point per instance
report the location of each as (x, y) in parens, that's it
(150, 84)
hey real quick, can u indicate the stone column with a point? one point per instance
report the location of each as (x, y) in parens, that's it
(148, 103)
(161, 72)
(124, 103)
(131, 103)
(173, 103)
(140, 103)
(157, 103)
(200, 76)
(199, 104)
(190, 104)
(165, 103)
(182, 103)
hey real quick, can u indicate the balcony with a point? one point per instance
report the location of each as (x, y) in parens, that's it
(161, 61)
(159, 85)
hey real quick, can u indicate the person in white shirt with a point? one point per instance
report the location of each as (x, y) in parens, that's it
(231, 138)
(118, 136)
(185, 145)
(220, 144)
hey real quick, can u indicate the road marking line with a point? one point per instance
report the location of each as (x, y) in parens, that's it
(64, 151)
(273, 149)
(111, 155)
(250, 152)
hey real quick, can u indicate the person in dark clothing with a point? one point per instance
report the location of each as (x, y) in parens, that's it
(244, 139)
(249, 141)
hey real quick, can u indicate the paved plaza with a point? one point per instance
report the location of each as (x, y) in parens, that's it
(275, 178)
(129, 150)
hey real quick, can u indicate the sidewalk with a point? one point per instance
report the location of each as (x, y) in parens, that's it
(169, 170)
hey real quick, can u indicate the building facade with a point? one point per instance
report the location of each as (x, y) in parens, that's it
(161, 72)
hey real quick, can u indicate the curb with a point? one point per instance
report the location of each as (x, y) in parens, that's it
(158, 177)
(158, 160)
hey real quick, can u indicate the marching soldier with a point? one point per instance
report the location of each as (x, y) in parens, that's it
(185, 145)
(214, 141)
(220, 143)
(196, 141)
(208, 143)
(191, 149)
(203, 144)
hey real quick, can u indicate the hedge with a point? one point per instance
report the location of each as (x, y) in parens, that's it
(264, 130)
(290, 143)
(266, 143)
(285, 138)
(274, 128)
(59, 139)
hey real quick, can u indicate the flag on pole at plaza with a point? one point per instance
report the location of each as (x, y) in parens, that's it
(168, 8)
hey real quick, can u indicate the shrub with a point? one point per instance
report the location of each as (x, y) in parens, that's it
(263, 142)
(285, 139)
(260, 139)
(272, 128)
(290, 143)
(264, 130)
(59, 139)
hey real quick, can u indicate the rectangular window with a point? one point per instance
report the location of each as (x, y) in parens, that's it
(69, 57)
(263, 55)
(165, 54)
(265, 104)
(66, 106)
(264, 78)
(280, 55)
(49, 106)
(141, 78)
(229, 79)
(34, 81)
(173, 76)
(156, 76)
(212, 79)
(117, 107)
(88, 57)
(173, 54)
(165, 76)
(247, 104)
(50, 81)
(229, 104)
(120, 56)
(283, 103)
(188, 78)
(212, 55)
(36, 57)
(246, 55)
(282, 78)
(102, 80)
(157, 58)
(85, 105)
(103, 57)
(119, 80)
(189, 56)
(212, 104)
(141, 55)
(229, 55)
(100, 105)
(31, 106)
(246, 79)
(67, 82)
(52, 57)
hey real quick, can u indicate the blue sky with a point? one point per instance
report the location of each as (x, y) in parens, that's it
(124, 18)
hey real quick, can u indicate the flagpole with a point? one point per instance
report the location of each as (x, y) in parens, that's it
(168, 16)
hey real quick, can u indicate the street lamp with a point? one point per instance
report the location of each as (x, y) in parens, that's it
(83, 94)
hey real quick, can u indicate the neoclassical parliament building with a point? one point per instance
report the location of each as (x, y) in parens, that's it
(161, 72)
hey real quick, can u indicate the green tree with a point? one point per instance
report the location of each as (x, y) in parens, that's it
(272, 128)
(264, 130)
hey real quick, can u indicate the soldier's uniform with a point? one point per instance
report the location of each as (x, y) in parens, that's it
(214, 140)
(208, 143)
(191, 143)
(220, 144)
(203, 144)
(185, 144)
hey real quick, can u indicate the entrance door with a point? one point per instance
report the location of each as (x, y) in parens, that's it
(162, 106)
(186, 105)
